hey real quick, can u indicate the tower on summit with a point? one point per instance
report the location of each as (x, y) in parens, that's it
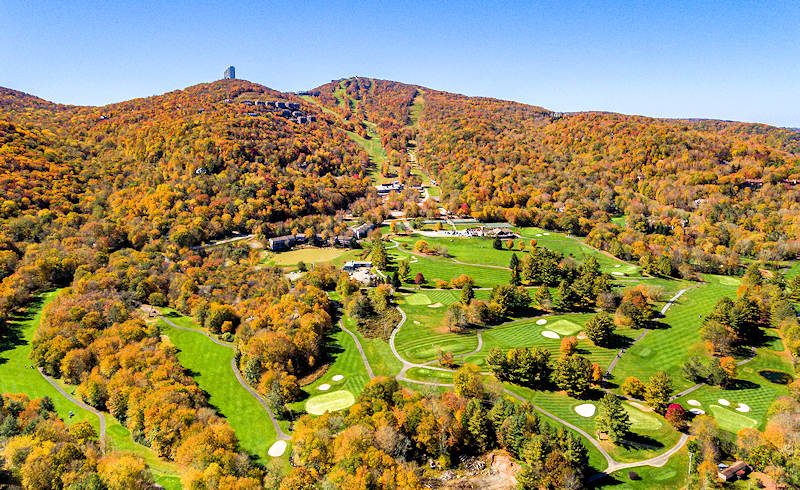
(230, 72)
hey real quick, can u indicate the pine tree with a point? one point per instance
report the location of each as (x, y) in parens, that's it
(467, 294)
(612, 419)
(600, 329)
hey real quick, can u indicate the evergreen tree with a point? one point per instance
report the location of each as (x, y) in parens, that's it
(612, 419)
(516, 269)
(467, 294)
(498, 245)
(396, 280)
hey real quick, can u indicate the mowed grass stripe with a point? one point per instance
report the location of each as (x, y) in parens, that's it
(668, 348)
(210, 366)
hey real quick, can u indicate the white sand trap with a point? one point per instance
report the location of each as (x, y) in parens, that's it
(550, 334)
(538, 234)
(541, 321)
(417, 323)
(743, 408)
(618, 273)
(618, 265)
(337, 377)
(697, 411)
(435, 305)
(277, 449)
(724, 402)
(546, 234)
(585, 410)
(324, 387)
(693, 403)
(641, 407)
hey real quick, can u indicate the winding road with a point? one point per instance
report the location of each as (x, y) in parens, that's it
(280, 433)
(611, 464)
(77, 402)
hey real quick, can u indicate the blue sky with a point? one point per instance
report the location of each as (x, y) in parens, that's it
(729, 60)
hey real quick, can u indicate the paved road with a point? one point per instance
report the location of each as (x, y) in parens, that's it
(77, 402)
(281, 434)
(360, 349)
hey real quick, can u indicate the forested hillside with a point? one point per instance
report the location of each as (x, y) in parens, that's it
(117, 206)
(702, 194)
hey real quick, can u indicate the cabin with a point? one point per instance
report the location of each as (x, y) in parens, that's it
(361, 231)
(277, 244)
(733, 472)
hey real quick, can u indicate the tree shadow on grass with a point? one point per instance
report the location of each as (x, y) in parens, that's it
(640, 441)
(741, 384)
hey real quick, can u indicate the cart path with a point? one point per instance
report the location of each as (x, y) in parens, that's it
(612, 464)
(280, 433)
(360, 349)
(77, 402)
(641, 335)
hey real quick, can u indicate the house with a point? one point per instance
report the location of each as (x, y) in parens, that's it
(361, 231)
(733, 472)
(384, 189)
(343, 241)
(354, 264)
(281, 243)
(300, 238)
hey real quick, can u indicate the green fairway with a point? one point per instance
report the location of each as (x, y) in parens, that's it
(572, 247)
(434, 268)
(16, 376)
(309, 255)
(671, 475)
(345, 364)
(16, 373)
(669, 347)
(329, 402)
(417, 299)
(642, 420)
(750, 388)
(732, 421)
(210, 366)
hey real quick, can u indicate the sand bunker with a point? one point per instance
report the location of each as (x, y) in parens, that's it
(324, 387)
(417, 323)
(546, 234)
(337, 377)
(276, 450)
(538, 234)
(617, 273)
(541, 321)
(742, 408)
(643, 408)
(693, 403)
(724, 402)
(585, 410)
(618, 265)
(435, 305)
(697, 411)
(550, 335)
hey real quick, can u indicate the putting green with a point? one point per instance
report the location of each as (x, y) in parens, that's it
(564, 327)
(329, 402)
(418, 299)
(728, 281)
(732, 421)
(641, 420)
